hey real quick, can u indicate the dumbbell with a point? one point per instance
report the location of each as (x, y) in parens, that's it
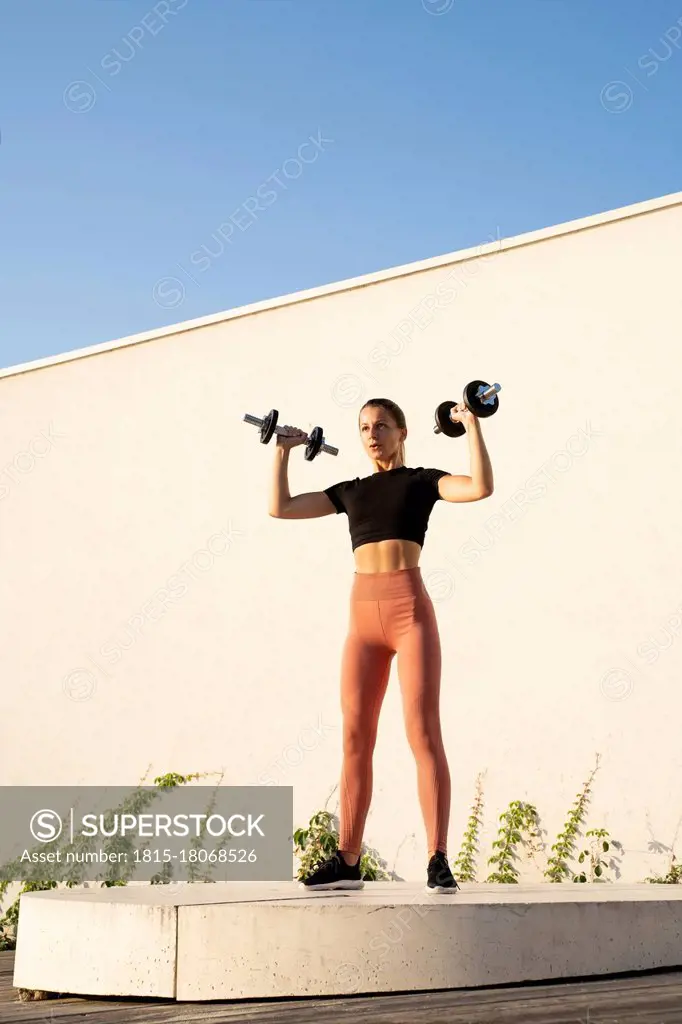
(268, 426)
(479, 397)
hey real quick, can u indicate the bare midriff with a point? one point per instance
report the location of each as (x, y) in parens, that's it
(387, 556)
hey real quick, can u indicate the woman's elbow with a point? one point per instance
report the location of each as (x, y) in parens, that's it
(280, 511)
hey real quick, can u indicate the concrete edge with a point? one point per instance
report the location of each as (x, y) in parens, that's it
(364, 281)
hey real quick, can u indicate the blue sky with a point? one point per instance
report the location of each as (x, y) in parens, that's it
(134, 132)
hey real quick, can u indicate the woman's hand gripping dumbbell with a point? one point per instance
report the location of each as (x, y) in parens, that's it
(479, 400)
(292, 436)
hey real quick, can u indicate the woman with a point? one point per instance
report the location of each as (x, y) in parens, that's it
(390, 613)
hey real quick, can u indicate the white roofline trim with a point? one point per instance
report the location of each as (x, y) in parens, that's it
(502, 245)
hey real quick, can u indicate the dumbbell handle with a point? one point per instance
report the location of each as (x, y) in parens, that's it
(489, 392)
(254, 420)
(258, 422)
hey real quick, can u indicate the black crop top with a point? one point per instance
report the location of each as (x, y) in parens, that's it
(394, 504)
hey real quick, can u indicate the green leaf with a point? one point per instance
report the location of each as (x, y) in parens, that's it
(605, 846)
(597, 870)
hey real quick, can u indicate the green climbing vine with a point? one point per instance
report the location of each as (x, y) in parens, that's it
(593, 856)
(465, 865)
(565, 846)
(518, 824)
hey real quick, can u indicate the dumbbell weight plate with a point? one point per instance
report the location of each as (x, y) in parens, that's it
(445, 424)
(477, 407)
(314, 444)
(268, 427)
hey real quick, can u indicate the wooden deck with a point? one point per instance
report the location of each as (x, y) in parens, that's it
(654, 998)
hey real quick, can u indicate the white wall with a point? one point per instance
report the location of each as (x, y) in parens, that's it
(544, 593)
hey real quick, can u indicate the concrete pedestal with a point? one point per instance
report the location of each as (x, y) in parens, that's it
(271, 940)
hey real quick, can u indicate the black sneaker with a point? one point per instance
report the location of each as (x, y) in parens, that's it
(439, 874)
(334, 874)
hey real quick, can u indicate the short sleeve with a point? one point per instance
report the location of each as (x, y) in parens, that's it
(335, 494)
(432, 476)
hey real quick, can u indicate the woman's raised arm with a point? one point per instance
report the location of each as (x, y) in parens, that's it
(282, 505)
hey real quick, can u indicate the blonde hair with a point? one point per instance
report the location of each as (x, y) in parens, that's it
(395, 411)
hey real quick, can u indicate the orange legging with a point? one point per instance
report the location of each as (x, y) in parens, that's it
(391, 613)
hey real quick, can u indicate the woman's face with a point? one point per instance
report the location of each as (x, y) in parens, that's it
(381, 436)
